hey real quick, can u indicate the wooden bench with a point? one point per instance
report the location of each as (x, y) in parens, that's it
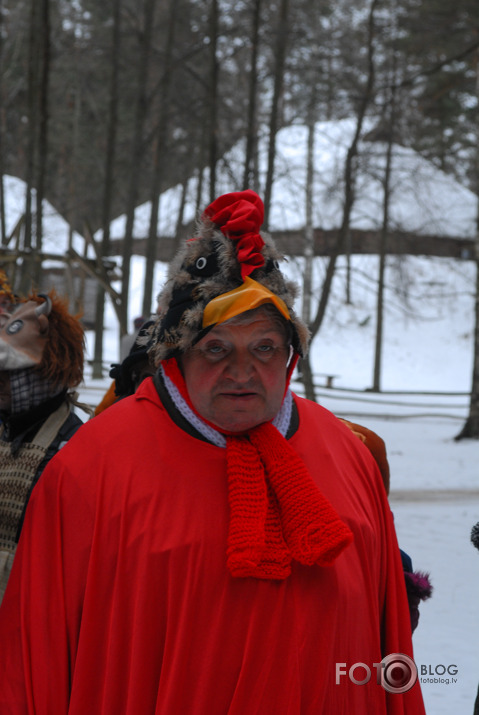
(328, 379)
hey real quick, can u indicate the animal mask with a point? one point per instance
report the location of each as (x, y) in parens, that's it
(24, 334)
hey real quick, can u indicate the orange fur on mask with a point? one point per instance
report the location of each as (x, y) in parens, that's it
(62, 360)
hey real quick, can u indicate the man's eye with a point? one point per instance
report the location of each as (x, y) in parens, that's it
(215, 349)
(266, 351)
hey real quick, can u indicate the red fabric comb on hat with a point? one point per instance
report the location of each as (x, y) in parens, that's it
(240, 215)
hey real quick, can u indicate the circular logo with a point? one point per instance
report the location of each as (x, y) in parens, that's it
(398, 673)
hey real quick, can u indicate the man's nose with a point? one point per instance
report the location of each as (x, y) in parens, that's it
(240, 364)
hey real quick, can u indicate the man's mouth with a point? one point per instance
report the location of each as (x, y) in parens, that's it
(239, 395)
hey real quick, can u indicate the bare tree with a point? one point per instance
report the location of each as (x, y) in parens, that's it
(376, 386)
(213, 97)
(349, 175)
(137, 154)
(33, 67)
(306, 371)
(112, 130)
(280, 56)
(43, 111)
(471, 427)
(159, 164)
(3, 228)
(251, 138)
(390, 124)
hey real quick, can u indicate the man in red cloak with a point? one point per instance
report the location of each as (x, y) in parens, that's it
(213, 544)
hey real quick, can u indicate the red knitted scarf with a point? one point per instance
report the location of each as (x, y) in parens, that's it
(277, 512)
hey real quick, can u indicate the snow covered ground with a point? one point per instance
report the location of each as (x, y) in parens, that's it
(434, 480)
(435, 501)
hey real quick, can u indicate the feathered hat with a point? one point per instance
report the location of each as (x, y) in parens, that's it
(228, 267)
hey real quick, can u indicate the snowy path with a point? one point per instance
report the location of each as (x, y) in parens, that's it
(437, 536)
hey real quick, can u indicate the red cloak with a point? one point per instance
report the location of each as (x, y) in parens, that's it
(120, 600)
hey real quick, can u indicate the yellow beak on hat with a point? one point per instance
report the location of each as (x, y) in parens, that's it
(247, 296)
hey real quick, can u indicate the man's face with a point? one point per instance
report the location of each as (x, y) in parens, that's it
(236, 374)
(5, 392)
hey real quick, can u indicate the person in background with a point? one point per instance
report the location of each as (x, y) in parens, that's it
(214, 544)
(130, 373)
(41, 359)
(127, 341)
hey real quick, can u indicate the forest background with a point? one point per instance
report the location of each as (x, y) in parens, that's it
(103, 106)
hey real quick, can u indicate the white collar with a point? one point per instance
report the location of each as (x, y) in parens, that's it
(281, 421)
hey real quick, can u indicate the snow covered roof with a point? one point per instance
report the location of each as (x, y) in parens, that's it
(55, 228)
(424, 200)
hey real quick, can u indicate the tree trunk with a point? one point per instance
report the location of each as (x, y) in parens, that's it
(251, 139)
(76, 298)
(307, 378)
(349, 179)
(213, 98)
(3, 227)
(34, 36)
(43, 128)
(306, 372)
(108, 186)
(161, 147)
(280, 56)
(471, 427)
(136, 163)
(391, 123)
(179, 232)
(309, 230)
